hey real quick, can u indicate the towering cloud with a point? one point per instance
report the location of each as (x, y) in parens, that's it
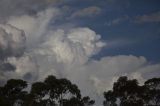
(76, 45)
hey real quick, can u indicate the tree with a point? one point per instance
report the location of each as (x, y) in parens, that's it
(110, 99)
(61, 89)
(50, 92)
(12, 93)
(128, 92)
(153, 91)
(86, 101)
(37, 93)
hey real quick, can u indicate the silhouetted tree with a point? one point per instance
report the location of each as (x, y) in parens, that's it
(12, 93)
(61, 89)
(51, 92)
(110, 99)
(86, 101)
(153, 92)
(37, 93)
(126, 92)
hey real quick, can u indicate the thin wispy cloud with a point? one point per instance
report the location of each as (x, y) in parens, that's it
(86, 12)
(117, 21)
(148, 18)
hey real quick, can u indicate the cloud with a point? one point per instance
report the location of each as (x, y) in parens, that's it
(55, 47)
(18, 36)
(105, 72)
(98, 76)
(117, 21)
(86, 12)
(7, 67)
(36, 26)
(12, 41)
(117, 43)
(20, 7)
(153, 17)
(13, 61)
(25, 66)
(76, 45)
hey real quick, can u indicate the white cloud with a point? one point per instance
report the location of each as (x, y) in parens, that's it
(105, 72)
(153, 17)
(76, 45)
(117, 21)
(85, 12)
(26, 68)
(34, 27)
(21, 7)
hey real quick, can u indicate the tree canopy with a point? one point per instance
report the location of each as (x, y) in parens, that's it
(51, 92)
(62, 92)
(127, 92)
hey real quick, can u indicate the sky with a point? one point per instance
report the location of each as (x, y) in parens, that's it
(90, 42)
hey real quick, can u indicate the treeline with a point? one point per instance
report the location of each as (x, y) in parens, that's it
(51, 92)
(61, 92)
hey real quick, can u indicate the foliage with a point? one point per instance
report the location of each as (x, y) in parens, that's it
(61, 92)
(51, 92)
(127, 92)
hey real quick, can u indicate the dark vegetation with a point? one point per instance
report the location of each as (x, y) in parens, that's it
(61, 92)
(51, 92)
(127, 92)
